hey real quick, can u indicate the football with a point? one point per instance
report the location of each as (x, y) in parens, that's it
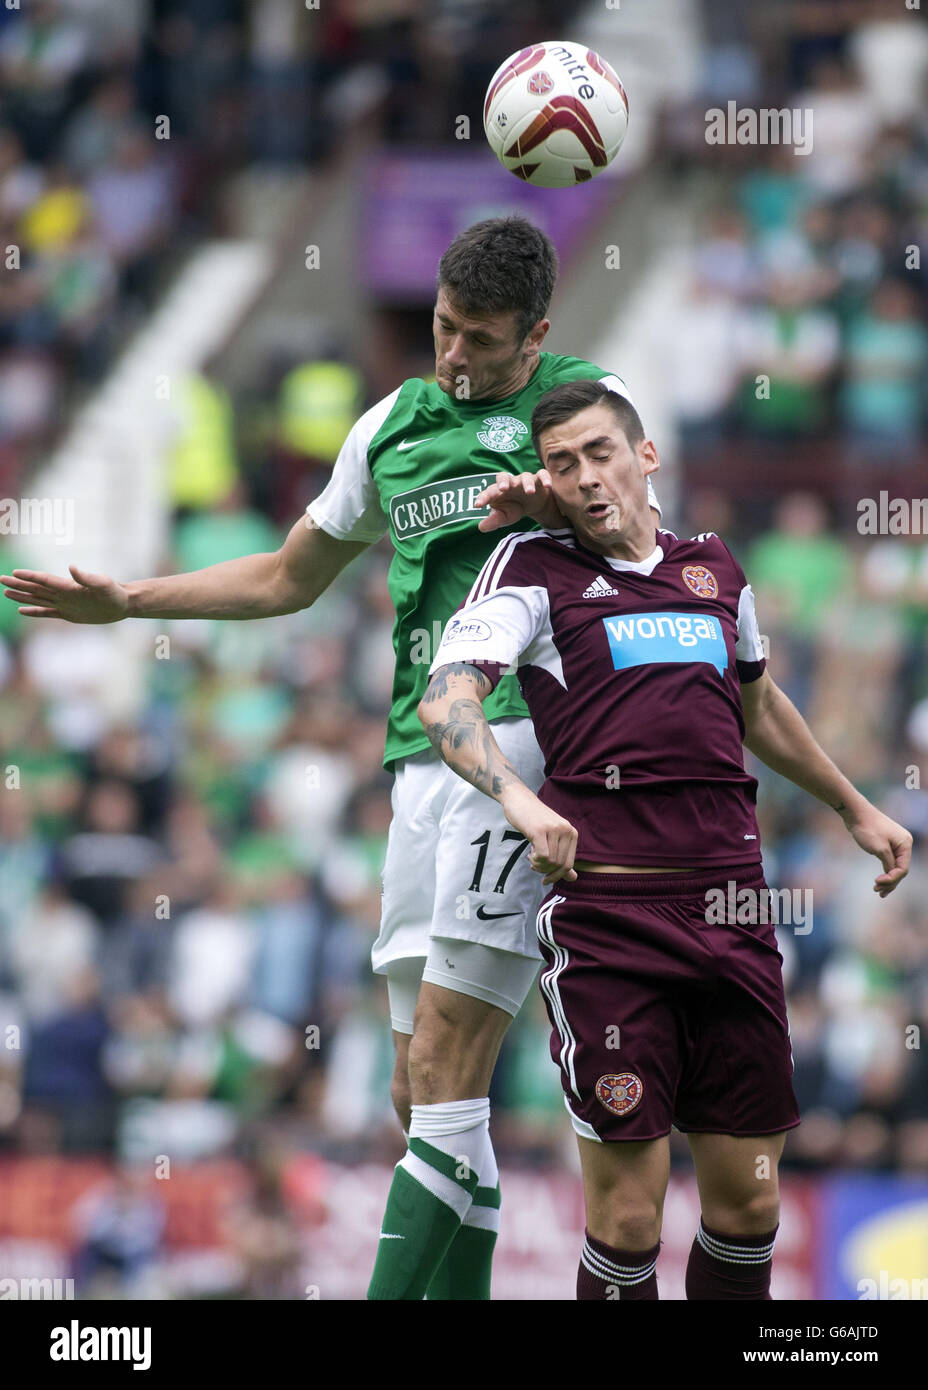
(555, 114)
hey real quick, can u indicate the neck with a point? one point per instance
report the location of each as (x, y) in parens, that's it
(635, 543)
(519, 378)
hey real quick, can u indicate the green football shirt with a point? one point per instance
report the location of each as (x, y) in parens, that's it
(413, 465)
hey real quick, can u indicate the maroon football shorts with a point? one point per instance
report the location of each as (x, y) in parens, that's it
(659, 1017)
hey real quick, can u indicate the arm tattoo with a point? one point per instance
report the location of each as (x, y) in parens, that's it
(463, 738)
(438, 685)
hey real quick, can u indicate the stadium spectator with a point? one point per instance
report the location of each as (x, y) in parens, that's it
(108, 854)
(883, 396)
(788, 348)
(797, 567)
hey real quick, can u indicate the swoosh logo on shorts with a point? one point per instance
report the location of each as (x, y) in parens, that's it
(489, 916)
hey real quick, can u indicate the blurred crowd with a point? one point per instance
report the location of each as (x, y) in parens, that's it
(801, 341)
(189, 899)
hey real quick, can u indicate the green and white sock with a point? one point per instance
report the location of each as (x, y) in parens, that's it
(465, 1271)
(431, 1193)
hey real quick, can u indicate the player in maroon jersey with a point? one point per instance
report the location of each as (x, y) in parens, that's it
(641, 663)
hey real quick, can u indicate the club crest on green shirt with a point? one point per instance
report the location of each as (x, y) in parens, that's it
(502, 433)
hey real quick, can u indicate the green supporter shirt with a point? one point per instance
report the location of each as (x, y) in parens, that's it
(413, 465)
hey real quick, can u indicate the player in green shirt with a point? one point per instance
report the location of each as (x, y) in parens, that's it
(457, 940)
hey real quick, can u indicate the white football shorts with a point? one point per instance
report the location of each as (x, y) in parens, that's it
(454, 867)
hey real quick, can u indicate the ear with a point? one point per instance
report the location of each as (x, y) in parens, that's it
(647, 453)
(536, 337)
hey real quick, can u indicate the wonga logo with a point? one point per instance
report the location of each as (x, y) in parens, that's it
(640, 639)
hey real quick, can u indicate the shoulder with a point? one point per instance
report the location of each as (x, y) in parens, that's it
(705, 549)
(706, 543)
(522, 559)
(719, 553)
(561, 369)
(572, 368)
(369, 425)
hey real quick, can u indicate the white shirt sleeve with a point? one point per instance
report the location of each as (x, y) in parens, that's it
(349, 506)
(749, 646)
(497, 628)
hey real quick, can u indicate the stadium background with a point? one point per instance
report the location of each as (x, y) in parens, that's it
(194, 1058)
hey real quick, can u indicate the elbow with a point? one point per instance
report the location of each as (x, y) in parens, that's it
(425, 710)
(421, 713)
(757, 717)
(278, 591)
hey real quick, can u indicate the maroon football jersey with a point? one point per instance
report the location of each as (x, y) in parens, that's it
(631, 672)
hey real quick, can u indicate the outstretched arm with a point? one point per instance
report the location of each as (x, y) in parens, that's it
(776, 733)
(451, 711)
(255, 586)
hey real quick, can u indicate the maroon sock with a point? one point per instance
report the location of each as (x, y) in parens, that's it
(607, 1273)
(729, 1267)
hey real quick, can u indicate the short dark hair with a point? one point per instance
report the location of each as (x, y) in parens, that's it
(501, 265)
(565, 401)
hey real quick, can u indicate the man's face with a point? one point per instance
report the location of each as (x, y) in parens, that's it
(481, 357)
(597, 477)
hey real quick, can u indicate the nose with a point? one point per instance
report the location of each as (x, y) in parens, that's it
(454, 352)
(587, 477)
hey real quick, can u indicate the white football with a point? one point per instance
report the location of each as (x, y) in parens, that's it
(555, 114)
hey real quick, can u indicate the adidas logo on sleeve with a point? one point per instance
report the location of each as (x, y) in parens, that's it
(600, 588)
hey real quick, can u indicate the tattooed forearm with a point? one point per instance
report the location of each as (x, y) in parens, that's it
(462, 730)
(457, 729)
(452, 674)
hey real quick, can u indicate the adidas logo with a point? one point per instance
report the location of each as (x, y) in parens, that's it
(600, 588)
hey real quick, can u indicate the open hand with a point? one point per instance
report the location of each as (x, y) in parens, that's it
(513, 497)
(85, 598)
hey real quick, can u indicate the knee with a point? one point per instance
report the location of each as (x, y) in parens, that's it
(752, 1216)
(628, 1225)
(637, 1227)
